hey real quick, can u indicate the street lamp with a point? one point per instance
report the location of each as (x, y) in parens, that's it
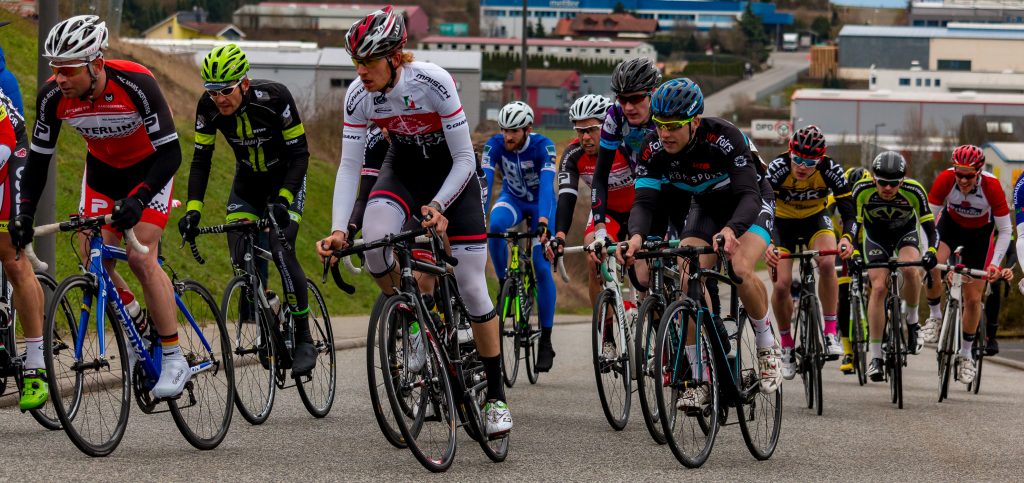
(881, 124)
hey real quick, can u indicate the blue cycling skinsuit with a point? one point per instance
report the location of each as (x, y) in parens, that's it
(527, 189)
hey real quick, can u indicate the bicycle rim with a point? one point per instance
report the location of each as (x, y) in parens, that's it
(980, 339)
(761, 416)
(611, 366)
(317, 389)
(532, 334)
(95, 396)
(376, 350)
(496, 449)
(646, 339)
(253, 351)
(46, 416)
(203, 412)
(510, 343)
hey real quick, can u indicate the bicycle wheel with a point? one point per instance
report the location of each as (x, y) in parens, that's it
(317, 389)
(689, 431)
(497, 448)
(980, 338)
(611, 361)
(648, 319)
(375, 374)
(530, 332)
(46, 416)
(760, 416)
(508, 308)
(946, 350)
(896, 348)
(815, 352)
(254, 353)
(90, 380)
(431, 433)
(203, 412)
(860, 340)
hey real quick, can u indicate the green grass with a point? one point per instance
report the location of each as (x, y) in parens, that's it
(19, 43)
(559, 136)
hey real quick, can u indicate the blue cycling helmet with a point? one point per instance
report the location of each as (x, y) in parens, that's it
(677, 98)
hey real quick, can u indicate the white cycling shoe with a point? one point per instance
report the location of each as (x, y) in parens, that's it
(499, 418)
(788, 364)
(966, 369)
(174, 373)
(929, 332)
(833, 348)
(770, 368)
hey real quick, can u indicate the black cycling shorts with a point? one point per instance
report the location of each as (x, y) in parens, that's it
(704, 222)
(974, 240)
(879, 247)
(465, 216)
(248, 201)
(794, 232)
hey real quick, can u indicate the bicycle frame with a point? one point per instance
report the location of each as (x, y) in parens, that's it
(954, 293)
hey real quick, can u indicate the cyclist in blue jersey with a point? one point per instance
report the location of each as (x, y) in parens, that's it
(527, 164)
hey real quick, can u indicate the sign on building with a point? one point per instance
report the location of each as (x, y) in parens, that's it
(770, 129)
(454, 29)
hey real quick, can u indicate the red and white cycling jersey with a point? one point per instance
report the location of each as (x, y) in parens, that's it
(969, 210)
(576, 165)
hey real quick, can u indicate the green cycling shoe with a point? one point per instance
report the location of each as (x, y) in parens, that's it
(34, 390)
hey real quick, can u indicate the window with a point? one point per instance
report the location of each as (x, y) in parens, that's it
(611, 51)
(1006, 127)
(170, 29)
(454, 46)
(338, 83)
(905, 81)
(511, 48)
(917, 82)
(540, 48)
(873, 80)
(951, 64)
(938, 82)
(919, 23)
(597, 51)
(626, 52)
(466, 47)
(927, 82)
(992, 127)
(439, 46)
(568, 49)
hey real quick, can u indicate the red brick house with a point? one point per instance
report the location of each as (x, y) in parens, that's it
(548, 91)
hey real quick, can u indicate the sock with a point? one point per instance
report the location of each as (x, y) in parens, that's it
(966, 345)
(495, 386)
(169, 343)
(934, 309)
(545, 334)
(830, 324)
(912, 315)
(786, 339)
(876, 349)
(301, 319)
(763, 336)
(847, 345)
(34, 353)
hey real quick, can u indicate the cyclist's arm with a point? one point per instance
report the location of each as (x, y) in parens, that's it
(353, 144)
(202, 155)
(152, 106)
(940, 189)
(1018, 213)
(858, 196)
(7, 139)
(546, 201)
(456, 134)
(491, 148)
(376, 150)
(296, 149)
(842, 192)
(568, 188)
(44, 144)
(611, 139)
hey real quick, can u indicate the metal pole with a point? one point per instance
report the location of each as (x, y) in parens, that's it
(522, 86)
(46, 212)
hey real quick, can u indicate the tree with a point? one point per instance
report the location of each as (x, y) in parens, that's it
(538, 30)
(619, 8)
(822, 27)
(753, 31)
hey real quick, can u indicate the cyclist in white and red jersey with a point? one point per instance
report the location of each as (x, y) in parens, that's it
(971, 202)
(430, 169)
(133, 154)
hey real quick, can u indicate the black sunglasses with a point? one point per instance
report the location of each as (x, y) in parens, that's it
(890, 183)
(634, 99)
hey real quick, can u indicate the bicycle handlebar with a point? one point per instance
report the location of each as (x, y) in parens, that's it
(78, 223)
(962, 269)
(811, 254)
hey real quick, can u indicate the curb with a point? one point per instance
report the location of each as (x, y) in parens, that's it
(998, 360)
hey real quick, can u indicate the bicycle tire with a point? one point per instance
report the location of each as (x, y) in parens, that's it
(611, 373)
(669, 348)
(648, 320)
(509, 327)
(318, 388)
(896, 345)
(89, 383)
(946, 350)
(216, 385)
(816, 357)
(980, 339)
(801, 332)
(496, 449)
(532, 328)
(860, 339)
(375, 374)
(436, 396)
(761, 439)
(253, 351)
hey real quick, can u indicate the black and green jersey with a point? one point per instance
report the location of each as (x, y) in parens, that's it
(907, 210)
(266, 135)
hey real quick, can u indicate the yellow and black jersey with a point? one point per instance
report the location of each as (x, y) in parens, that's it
(803, 198)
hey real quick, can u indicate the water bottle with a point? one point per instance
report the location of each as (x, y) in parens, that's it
(131, 305)
(275, 302)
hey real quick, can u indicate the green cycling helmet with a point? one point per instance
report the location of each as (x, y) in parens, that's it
(224, 64)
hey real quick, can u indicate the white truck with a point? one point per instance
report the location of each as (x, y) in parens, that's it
(790, 41)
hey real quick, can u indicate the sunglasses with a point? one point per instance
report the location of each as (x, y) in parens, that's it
(634, 99)
(587, 129)
(889, 183)
(69, 70)
(966, 174)
(368, 63)
(671, 125)
(807, 162)
(226, 91)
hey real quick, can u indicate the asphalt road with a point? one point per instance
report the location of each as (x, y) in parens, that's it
(784, 65)
(561, 434)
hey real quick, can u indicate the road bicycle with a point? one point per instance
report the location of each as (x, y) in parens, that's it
(858, 326)
(517, 299)
(263, 339)
(94, 368)
(952, 325)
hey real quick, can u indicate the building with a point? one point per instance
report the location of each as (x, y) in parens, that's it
(322, 16)
(864, 115)
(943, 12)
(192, 25)
(504, 18)
(1006, 161)
(609, 50)
(549, 92)
(611, 25)
(956, 47)
(917, 79)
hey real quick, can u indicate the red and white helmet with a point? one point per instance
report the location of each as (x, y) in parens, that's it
(83, 37)
(380, 33)
(969, 156)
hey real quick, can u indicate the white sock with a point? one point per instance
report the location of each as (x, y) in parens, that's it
(34, 353)
(935, 311)
(965, 348)
(912, 315)
(763, 336)
(691, 355)
(876, 350)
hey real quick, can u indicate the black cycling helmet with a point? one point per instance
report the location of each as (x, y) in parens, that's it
(808, 143)
(853, 175)
(889, 165)
(635, 75)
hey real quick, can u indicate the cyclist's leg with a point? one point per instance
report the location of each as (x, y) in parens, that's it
(843, 319)
(947, 242)
(975, 256)
(782, 303)
(909, 251)
(542, 270)
(876, 252)
(505, 214)
(594, 284)
(828, 287)
(992, 305)
(388, 208)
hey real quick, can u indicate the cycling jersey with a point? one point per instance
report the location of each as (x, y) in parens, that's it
(616, 133)
(129, 131)
(8, 140)
(14, 140)
(716, 169)
(576, 164)
(429, 133)
(889, 218)
(268, 140)
(373, 158)
(805, 198)
(528, 174)
(985, 203)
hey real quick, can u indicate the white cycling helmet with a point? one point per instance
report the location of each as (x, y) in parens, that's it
(590, 106)
(83, 37)
(515, 115)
